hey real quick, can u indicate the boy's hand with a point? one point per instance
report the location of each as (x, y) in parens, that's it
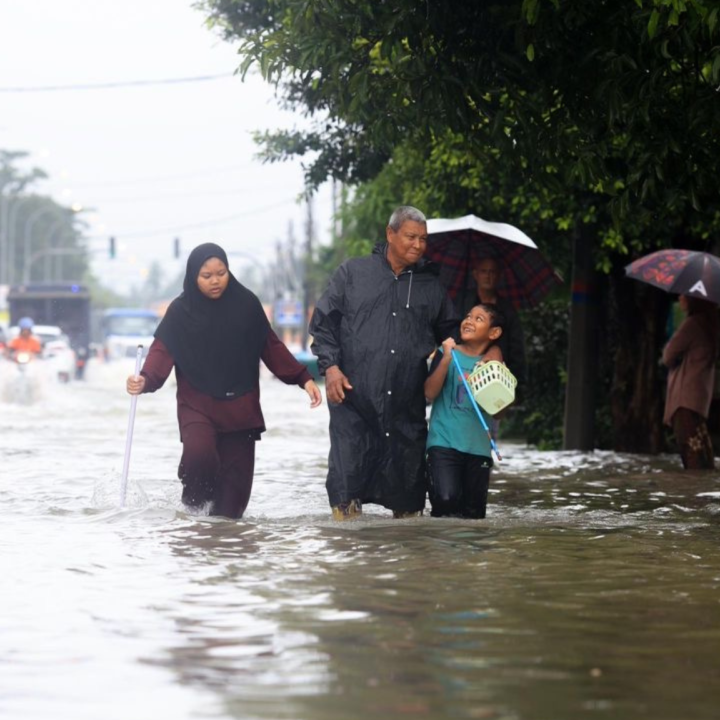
(448, 346)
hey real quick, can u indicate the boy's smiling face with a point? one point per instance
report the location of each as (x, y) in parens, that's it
(477, 326)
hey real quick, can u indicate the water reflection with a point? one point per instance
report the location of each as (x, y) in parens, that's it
(438, 619)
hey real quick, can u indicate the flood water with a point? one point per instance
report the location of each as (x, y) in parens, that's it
(592, 590)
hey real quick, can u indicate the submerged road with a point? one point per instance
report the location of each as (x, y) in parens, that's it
(591, 590)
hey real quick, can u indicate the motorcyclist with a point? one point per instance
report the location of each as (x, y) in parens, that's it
(25, 342)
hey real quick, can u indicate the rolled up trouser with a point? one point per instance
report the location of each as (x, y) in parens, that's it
(217, 467)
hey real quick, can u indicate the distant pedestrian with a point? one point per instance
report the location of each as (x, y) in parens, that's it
(691, 355)
(373, 330)
(458, 448)
(215, 334)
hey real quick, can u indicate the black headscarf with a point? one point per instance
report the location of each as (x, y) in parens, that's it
(216, 344)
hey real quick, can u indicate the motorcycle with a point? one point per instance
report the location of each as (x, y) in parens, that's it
(22, 388)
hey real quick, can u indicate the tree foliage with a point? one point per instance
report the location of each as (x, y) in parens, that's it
(619, 96)
(41, 240)
(593, 121)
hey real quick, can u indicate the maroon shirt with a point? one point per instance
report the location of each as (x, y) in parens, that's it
(243, 413)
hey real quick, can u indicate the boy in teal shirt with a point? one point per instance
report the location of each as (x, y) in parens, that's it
(458, 448)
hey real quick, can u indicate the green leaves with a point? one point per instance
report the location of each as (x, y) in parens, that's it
(614, 100)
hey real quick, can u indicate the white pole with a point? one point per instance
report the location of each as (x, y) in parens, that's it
(128, 440)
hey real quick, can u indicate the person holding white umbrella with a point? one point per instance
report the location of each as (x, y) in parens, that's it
(496, 263)
(486, 272)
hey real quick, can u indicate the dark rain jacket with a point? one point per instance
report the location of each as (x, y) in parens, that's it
(379, 329)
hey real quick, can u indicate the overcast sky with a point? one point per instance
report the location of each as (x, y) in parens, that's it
(147, 162)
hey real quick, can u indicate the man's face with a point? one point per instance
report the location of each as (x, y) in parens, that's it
(25, 332)
(486, 274)
(407, 245)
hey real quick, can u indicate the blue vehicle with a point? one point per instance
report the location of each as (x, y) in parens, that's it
(124, 329)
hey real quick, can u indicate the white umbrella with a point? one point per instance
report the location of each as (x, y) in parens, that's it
(457, 244)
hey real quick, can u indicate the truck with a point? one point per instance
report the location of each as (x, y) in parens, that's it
(123, 329)
(63, 305)
(66, 305)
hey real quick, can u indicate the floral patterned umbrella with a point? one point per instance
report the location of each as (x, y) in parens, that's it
(684, 272)
(457, 244)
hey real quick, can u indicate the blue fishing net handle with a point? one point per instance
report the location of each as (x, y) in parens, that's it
(475, 405)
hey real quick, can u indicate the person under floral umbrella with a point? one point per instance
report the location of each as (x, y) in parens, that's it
(690, 356)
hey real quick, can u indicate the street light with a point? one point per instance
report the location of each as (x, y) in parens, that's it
(262, 268)
(27, 235)
(9, 209)
(47, 252)
(4, 240)
(10, 235)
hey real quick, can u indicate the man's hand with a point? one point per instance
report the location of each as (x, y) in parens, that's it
(493, 353)
(336, 383)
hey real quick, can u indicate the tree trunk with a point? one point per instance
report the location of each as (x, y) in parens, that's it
(582, 365)
(640, 315)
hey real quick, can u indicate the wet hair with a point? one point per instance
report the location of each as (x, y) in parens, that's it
(497, 319)
(403, 214)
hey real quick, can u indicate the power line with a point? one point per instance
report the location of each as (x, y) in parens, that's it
(113, 85)
(179, 195)
(162, 178)
(194, 226)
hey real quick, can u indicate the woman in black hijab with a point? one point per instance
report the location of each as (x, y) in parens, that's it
(215, 333)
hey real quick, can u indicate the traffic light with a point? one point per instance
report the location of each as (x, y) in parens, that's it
(112, 248)
(176, 247)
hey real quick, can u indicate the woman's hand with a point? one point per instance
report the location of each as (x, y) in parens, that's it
(135, 384)
(314, 393)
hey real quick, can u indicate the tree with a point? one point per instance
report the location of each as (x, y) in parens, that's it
(40, 240)
(602, 115)
(619, 95)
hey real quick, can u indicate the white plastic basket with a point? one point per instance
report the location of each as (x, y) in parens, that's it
(493, 386)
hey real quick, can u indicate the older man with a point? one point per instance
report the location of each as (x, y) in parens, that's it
(373, 330)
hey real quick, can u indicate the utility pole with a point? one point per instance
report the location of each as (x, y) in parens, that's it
(308, 299)
(579, 430)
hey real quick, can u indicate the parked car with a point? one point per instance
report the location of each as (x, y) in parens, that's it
(59, 356)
